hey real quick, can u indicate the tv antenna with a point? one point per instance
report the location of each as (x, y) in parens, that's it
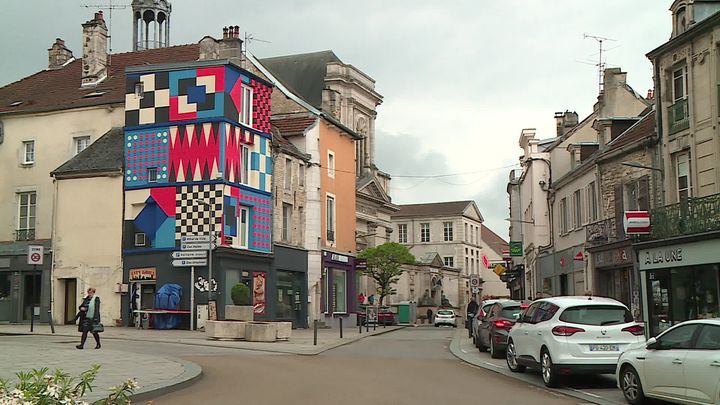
(110, 7)
(600, 64)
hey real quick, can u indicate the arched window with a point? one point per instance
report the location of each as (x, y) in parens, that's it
(680, 21)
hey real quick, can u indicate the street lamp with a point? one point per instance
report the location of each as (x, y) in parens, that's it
(520, 221)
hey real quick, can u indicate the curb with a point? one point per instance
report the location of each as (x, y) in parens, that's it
(192, 374)
(457, 352)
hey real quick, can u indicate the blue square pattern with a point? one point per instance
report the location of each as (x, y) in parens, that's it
(197, 94)
(268, 165)
(254, 161)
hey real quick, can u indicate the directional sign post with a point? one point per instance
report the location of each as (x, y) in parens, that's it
(193, 254)
(195, 246)
(189, 262)
(195, 239)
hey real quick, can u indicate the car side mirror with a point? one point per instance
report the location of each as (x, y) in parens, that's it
(652, 344)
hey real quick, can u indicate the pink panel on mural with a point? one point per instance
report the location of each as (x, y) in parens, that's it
(218, 73)
(236, 94)
(165, 198)
(176, 115)
(194, 147)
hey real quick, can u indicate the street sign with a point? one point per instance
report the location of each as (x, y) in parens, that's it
(194, 246)
(193, 254)
(636, 222)
(189, 262)
(194, 238)
(499, 269)
(35, 254)
(579, 256)
(474, 280)
(516, 249)
(474, 290)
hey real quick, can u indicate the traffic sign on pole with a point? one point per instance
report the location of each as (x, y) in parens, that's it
(189, 262)
(195, 246)
(35, 254)
(192, 254)
(194, 238)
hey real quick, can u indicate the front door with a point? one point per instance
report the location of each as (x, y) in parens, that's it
(31, 296)
(289, 293)
(70, 300)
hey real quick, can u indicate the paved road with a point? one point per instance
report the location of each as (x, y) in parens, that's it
(409, 366)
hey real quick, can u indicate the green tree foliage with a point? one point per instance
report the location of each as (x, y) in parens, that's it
(383, 265)
(240, 294)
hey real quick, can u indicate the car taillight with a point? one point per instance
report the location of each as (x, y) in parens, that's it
(503, 324)
(566, 330)
(637, 330)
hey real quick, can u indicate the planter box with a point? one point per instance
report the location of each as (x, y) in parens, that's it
(260, 331)
(239, 313)
(225, 329)
(284, 329)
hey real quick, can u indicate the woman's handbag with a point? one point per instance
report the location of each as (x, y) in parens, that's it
(98, 327)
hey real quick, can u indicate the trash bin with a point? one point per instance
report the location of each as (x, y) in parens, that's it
(407, 312)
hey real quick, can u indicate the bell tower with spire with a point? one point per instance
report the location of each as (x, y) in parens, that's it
(151, 24)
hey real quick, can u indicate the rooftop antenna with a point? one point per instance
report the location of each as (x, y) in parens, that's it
(600, 65)
(110, 7)
(250, 38)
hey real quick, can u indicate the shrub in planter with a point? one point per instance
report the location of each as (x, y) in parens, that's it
(240, 294)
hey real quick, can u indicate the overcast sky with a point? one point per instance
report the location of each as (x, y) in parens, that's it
(460, 79)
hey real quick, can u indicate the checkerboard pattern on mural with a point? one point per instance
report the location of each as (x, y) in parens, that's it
(193, 217)
(147, 99)
(261, 106)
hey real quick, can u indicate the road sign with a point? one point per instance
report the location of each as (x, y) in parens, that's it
(579, 256)
(194, 246)
(194, 238)
(474, 280)
(189, 262)
(516, 249)
(35, 254)
(636, 222)
(485, 261)
(474, 290)
(499, 269)
(193, 254)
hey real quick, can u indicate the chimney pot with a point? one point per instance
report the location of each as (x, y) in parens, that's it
(225, 32)
(237, 31)
(650, 94)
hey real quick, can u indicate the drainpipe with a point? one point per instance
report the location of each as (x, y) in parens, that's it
(52, 248)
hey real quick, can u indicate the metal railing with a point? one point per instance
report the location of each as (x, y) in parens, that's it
(24, 234)
(678, 116)
(601, 232)
(691, 215)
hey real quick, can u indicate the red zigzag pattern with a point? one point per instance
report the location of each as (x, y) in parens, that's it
(194, 152)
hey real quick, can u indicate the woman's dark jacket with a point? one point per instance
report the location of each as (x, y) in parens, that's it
(86, 324)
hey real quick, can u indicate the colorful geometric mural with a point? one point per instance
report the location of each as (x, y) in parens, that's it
(193, 217)
(194, 152)
(146, 150)
(261, 164)
(194, 94)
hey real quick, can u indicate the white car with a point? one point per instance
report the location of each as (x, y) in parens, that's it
(681, 365)
(445, 317)
(572, 335)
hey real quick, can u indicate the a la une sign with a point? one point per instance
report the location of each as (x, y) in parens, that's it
(685, 254)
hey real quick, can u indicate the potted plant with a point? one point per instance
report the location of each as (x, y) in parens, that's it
(243, 309)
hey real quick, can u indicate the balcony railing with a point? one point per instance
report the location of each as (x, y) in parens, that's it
(24, 234)
(678, 117)
(602, 232)
(693, 215)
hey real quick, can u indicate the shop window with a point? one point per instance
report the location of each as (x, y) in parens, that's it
(339, 293)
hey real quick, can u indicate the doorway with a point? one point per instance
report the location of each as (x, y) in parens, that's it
(563, 284)
(70, 300)
(31, 297)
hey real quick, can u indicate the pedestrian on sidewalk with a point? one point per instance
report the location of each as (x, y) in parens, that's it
(89, 316)
(371, 299)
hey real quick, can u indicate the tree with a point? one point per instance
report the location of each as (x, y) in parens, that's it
(383, 265)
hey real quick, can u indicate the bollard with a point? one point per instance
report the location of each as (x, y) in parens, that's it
(315, 326)
(32, 320)
(52, 324)
(340, 327)
(360, 327)
(367, 324)
(375, 324)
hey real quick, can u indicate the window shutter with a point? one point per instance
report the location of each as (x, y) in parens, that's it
(619, 212)
(643, 194)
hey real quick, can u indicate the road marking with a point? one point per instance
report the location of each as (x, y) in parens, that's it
(586, 393)
(463, 350)
(493, 365)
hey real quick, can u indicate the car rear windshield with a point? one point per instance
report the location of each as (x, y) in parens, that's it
(598, 315)
(511, 312)
(445, 312)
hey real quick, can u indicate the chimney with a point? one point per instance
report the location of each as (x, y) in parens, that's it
(565, 121)
(58, 54)
(94, 60)
(231, 44)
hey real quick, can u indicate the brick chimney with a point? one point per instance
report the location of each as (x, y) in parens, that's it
(94, 60)
(565, 121)
(231, 44)
(58, 54)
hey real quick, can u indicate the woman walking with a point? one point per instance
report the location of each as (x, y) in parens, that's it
(89, 316)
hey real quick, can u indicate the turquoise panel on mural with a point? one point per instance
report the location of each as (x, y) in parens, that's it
(254, 161)
(165, 235)
(268, 165)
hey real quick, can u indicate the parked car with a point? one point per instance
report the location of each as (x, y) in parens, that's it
(484, 308)
(445, 317)
(572, 335)
(681, 365)
(494, 327)
(385, 316)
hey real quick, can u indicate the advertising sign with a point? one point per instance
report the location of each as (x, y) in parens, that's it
(259, 293)
(636, 222)
(143, 274)
(516, 249)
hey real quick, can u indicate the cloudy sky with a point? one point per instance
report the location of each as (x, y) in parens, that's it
(460, 79)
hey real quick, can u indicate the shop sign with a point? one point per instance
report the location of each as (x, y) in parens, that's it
(614, 257)
(579, 256)
(360, 264)
(636, 222)
(143, 274)
(686, 254)
(339, 258)
(516, 249)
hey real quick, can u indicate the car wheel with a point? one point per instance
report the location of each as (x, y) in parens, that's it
(481, 346)
(494, 352)
(631, 386)
(511, 358)
(550, 378)
(436, 325)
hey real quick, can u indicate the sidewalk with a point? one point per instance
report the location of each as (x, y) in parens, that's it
(300, 342)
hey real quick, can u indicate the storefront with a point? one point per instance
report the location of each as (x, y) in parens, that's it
(290, 266)
(562, 273)
(338, 287)
(23, 287)
(680, 282)
(615, 275)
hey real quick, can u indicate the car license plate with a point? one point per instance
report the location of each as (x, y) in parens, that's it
(604, 348)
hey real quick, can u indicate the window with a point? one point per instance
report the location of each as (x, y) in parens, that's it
(152, 174)
(679, 84)
(402, 233)
(245, 165)
(467, 236)
(339, 297)
(331, 164)
(81, 143)
(244, 226)
(140, 239)
(449, 261)
(424, 232)
(527, 316)
(578, 209)
(5, 285)
(246, 116)
(709, 338)
(330, 218)
(680, 21)
(301, 175)
(288, 174)
(631, 197)
(287, 222)
(544, 312)
(678, 338)
(26, 216)
(563, 216)
(597, 315)
(592, 202)
(684, 185)
(28, 152)
(448, 231)
(139, 90)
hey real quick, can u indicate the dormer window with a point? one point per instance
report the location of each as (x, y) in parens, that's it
(680, 21)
